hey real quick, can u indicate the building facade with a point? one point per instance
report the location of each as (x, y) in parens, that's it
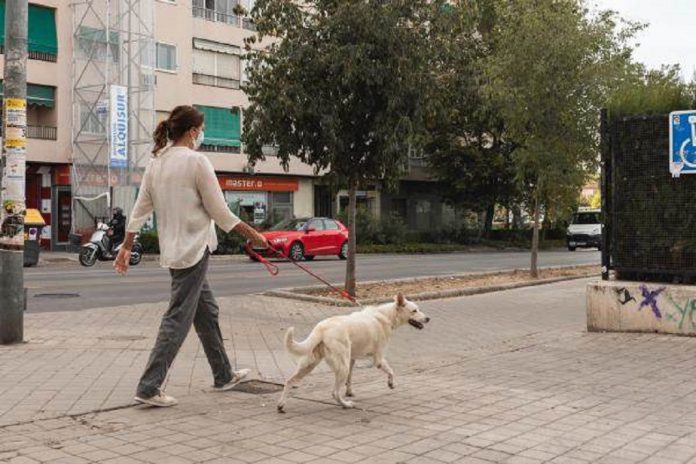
(197, 59)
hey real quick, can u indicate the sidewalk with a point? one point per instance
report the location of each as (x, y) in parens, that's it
(504, 377)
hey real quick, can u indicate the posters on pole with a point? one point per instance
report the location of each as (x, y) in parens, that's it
(119, 126)
(12, 186)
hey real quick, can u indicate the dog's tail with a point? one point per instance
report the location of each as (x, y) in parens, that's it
(304, 347)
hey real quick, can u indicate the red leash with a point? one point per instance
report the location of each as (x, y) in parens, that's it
(273, 270)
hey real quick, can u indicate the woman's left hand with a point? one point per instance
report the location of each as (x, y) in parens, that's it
(122, 261)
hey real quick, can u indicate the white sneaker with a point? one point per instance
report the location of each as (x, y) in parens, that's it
(160, 400)
(237, 376)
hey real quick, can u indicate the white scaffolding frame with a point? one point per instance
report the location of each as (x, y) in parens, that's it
(113, 44)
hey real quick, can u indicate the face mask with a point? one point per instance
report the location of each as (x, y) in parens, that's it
(199, 140)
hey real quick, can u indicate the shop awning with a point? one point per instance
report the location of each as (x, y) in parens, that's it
(222, 126)
(42, 36)
(41, 95)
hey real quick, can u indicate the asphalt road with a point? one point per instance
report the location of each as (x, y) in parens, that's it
(69, 287)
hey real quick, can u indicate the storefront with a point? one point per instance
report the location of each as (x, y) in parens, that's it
(48, 190)
(261, 201)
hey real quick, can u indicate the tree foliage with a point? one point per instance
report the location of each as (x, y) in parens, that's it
(342, 90)
(468, 148)
(553, 68)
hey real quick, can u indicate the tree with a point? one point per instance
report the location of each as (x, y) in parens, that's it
(553, 69)
(468, 148)
(341, 89)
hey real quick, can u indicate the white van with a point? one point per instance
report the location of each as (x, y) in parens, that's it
(585, 229)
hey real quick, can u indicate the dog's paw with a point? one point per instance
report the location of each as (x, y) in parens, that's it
(349, 393)
(348, 405)
(281, 408)
(390, 383)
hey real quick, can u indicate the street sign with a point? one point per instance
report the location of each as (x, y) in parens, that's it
(682, 142)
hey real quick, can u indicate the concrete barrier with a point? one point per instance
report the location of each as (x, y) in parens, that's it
(621, 306)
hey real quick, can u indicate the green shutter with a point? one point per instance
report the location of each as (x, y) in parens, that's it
(2, 23)
(222, 126)
(42, 29)
(42, 95)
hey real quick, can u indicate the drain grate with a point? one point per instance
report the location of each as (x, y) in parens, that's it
(57, 295)
(123, 338)
(258, 387)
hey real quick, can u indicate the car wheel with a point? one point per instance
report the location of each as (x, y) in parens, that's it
(296, 252)
(343, 254)
(309, 258)
(571, 248)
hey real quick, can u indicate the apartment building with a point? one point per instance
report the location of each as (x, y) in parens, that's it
(197, 59)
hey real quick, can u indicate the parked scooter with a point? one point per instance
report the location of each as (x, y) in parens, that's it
(99, 245)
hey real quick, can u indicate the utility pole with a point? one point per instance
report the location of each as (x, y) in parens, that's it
(13, 173)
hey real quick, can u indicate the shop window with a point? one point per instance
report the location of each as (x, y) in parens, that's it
(251, 207)
(281, 207)
(423, 213)
(398, 206)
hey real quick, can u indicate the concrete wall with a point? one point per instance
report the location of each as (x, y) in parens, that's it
(621, 306)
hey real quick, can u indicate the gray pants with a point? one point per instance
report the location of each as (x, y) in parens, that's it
(192, 302)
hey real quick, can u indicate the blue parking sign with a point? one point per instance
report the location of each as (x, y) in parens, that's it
(682, 142)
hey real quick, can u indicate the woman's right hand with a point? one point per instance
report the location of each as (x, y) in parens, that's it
(259, 241)
(122, 261)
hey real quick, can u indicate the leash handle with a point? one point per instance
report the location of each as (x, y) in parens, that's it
(270, 267)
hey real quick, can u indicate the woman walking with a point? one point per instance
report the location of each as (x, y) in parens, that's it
(180, 186)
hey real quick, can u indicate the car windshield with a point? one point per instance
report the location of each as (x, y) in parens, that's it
(586, 218)
(290, 224)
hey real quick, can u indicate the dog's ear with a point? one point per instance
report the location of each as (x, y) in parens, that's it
(400, 300)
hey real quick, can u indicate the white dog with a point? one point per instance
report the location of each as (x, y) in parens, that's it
(343, 339)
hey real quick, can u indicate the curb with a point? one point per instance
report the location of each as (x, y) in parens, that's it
(291, 293)
(72, 258)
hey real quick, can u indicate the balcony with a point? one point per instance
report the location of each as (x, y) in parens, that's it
(208, 14)
(215, 81)
(220, 149)
(40, 132)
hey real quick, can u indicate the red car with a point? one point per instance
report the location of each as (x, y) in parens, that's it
(308, 237)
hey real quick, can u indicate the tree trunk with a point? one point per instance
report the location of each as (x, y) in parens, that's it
(535, 239)
(488, 224)
(516, 218)
(350, 263)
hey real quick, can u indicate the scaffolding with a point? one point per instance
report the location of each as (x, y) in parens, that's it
(113, 56)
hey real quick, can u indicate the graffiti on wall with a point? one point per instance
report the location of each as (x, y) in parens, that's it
(683, 313)
(650, 299)
(662, 305)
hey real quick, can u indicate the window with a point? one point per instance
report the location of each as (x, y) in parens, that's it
(92, 44)
(225, 11)
(42, 41)
(216, 64)
(166, 57)
(94, 120)
(222, 129)
(330, 225)
(317, 224)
